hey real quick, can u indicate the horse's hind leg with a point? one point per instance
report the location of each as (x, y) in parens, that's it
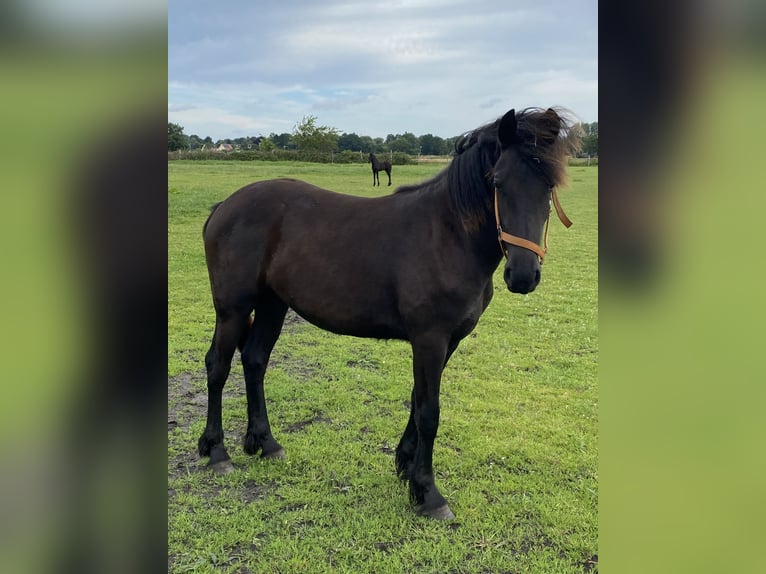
(267, 325)
(388, 172)
(229, 330)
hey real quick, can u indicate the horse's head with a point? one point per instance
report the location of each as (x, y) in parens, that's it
(531, 164)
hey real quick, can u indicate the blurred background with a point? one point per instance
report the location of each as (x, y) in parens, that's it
(84, 241)
(681, 313)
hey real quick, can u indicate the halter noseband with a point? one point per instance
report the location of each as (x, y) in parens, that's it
(502, 236)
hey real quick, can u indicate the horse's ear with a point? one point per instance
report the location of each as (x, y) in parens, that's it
(551, 115)
(506, 133)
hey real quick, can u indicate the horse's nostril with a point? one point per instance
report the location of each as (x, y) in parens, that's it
(537, 276)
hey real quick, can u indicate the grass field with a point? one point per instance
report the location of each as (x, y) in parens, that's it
(516, 455)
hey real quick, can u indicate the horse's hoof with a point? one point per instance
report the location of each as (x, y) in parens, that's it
(441, 513)
(222, 467)
(277, 454)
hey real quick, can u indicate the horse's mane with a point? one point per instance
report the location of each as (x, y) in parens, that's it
(545, 138)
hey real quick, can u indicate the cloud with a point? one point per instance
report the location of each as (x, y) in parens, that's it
(491, 103)
(382, 67)
(204, 121)
(180, 107)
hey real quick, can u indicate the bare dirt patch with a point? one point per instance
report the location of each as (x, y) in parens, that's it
(187, 406)
(187, 392)
(300, 425)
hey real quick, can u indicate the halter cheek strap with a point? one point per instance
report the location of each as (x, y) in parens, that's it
(503, 237)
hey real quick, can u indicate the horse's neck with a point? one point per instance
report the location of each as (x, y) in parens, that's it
(477, 233)
(480, 225)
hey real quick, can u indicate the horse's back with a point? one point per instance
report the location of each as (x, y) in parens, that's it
(260, 204)
(274, 232)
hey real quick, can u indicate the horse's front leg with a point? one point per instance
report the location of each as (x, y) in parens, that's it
(428, 358)
(405, 451)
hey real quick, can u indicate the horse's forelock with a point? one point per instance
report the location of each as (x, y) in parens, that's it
(545, 136)
(548, 137)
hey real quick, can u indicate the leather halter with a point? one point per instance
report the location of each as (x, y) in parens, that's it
(502, 236)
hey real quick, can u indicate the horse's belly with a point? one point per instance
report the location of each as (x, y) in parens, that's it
(355, 325)
(337, 300)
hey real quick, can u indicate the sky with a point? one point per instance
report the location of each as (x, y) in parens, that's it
(441, 67)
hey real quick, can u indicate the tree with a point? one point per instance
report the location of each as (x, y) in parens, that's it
(176, 138)
(282, 141)
(195, 142)
(351, 142)
(449, 145)
(244, 142)
(379, 146)
(308, 136)
(267, 144)
(405, 143)
(590, 139)
(433, 145)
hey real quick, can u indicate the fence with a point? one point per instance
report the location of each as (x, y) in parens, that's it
(583, 161)
(396, 158)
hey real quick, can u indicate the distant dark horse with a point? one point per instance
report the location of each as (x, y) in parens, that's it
(416, 265)
(379, 166)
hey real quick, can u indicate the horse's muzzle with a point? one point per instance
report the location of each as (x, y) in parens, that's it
(521, 282)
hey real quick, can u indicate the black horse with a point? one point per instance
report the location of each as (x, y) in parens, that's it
(379, 166)
(415, 265)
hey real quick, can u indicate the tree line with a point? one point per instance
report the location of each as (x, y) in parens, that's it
(307, 135)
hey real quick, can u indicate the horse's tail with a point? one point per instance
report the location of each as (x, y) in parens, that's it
(212, 210)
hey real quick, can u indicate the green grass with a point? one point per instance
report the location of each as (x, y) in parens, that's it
(516, 454)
